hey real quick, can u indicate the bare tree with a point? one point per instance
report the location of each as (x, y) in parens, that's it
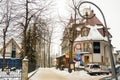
(5, 22)
(33, 15)
(42, 31)
(24, 17)
(27, 10)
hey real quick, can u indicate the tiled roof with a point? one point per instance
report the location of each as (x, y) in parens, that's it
(93, 21)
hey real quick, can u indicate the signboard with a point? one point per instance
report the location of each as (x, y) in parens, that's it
(78, 56)
(78, 46)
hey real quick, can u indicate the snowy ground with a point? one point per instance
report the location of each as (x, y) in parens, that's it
(46, 74)
(13, 75)
(50, 74)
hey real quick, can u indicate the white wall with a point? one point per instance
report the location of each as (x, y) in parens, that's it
(96, 57)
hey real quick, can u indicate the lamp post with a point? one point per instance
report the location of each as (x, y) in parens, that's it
(118, 52)
(71, 39)
(70, 49)
(109, 42)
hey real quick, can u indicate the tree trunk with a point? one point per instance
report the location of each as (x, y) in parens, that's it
(4, 49)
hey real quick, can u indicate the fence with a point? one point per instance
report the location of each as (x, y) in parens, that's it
(10, 62)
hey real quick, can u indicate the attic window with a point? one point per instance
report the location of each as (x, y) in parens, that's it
(13, 51)
(84, 32)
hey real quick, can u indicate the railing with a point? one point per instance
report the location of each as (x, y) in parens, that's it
(84, 50)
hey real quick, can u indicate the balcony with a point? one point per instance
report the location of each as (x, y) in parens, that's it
(84, 50)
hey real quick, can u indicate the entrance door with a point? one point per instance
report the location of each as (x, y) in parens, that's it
(86, 59)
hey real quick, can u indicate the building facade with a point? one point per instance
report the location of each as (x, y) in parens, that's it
(12, 55)
(90, 42)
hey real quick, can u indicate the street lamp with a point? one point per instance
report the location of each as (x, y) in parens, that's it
(118, 52)
(109, 42)
(71, 40)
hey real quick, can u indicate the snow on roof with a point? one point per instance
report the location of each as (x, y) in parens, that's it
(60, 55)
(94, 34)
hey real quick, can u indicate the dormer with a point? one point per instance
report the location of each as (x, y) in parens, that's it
(84, 31)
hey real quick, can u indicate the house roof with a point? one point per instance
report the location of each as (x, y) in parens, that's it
(11, 41)
(93, 21)
(62, 55)
(93, 34)
(97, 31)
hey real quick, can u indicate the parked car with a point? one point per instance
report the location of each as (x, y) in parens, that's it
(92, 68)
(95, 69)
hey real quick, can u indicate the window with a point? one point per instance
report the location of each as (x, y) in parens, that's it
(96, 47)
(13, 51)
(86, 47)
(84, 32)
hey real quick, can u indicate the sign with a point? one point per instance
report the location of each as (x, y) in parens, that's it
(78, 56)
(77, 46)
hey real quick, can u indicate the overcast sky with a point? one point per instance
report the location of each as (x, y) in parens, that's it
(111, 11)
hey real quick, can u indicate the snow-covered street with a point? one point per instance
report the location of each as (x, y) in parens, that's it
(47, 74)
(53, 74)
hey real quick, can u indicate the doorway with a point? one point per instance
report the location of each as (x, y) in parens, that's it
(86, 59)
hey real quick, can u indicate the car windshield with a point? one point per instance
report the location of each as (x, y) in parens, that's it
(96, 66)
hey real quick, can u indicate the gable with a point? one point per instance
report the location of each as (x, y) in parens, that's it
(9, 48)
(93, 34)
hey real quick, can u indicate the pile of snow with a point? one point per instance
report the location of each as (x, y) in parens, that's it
(13, 75)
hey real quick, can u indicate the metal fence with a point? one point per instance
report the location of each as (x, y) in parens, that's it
(10, 62)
